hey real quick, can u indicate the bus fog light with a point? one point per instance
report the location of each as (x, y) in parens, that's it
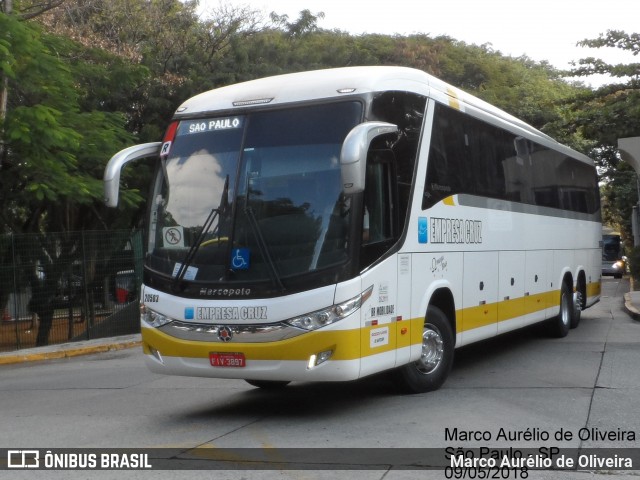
(312, 362)
(319, 358)
(324, 356)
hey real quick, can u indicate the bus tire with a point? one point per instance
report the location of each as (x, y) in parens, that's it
(268, 384)
(432, 369)
(559, 325)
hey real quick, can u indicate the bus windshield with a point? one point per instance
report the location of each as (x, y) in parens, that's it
(255, 197)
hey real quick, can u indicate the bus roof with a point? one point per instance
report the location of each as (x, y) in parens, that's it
(331, 83)
(305, 86)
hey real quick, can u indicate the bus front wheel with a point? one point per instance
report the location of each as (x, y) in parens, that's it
(430, 371)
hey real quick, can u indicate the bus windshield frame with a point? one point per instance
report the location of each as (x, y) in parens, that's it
(253, 200)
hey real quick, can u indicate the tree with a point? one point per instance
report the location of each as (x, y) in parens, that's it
(606, 114)
(178, 50)
(134, 61)
(26, 9)
(529, 90)
(54, 148)
(306, 23)
(49, 157)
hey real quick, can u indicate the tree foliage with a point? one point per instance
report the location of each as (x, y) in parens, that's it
(603, 116)
(28, 9)
(49, 160)
(95, 75)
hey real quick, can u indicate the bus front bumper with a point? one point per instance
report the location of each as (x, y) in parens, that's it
(331, 355)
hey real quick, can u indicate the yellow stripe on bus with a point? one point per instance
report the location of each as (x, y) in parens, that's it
(344, 343)
(454, 102)
(594, 289)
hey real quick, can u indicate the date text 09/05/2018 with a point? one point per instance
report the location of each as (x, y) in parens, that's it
(486, 473)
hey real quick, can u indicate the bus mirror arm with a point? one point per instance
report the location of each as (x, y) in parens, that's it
(114, 167)
(353, 156)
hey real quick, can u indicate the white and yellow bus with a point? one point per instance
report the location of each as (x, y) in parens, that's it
(328, 225)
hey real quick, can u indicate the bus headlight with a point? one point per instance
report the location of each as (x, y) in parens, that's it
(329, 315)
(154, 319)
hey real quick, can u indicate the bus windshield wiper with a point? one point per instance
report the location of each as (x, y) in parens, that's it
(193, 250)
(262, 245)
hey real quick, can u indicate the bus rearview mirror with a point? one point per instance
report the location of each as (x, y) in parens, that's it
(353, 156)
(119, 160)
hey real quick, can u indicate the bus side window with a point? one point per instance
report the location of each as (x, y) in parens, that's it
(449, 170)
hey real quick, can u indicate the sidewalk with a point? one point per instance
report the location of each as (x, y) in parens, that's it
(74, 349)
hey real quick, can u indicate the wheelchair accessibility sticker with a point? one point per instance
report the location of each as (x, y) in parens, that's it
(240, 258)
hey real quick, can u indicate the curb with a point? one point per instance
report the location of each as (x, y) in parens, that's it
(66, 351)
(628, 306)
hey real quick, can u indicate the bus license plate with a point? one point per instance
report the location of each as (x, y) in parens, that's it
(232, 359)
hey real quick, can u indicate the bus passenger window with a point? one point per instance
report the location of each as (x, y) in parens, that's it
(447, 170)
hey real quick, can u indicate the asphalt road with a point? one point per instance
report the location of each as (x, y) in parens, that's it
(587, 384)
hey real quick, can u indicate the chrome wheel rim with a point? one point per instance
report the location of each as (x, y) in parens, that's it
(565, 309)
(577, 302)
(432, 350)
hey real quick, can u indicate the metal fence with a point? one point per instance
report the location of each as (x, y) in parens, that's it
(61, 287)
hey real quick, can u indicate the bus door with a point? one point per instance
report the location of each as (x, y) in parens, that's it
(379, 234)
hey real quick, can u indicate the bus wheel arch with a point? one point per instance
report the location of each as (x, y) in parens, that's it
(431, 370)
(442, 299)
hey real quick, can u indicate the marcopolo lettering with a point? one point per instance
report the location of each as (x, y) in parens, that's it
(455, 231)
(225, 292)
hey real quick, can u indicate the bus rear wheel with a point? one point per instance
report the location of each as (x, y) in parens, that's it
(576, 313)
(430, 371)
(559, 326)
